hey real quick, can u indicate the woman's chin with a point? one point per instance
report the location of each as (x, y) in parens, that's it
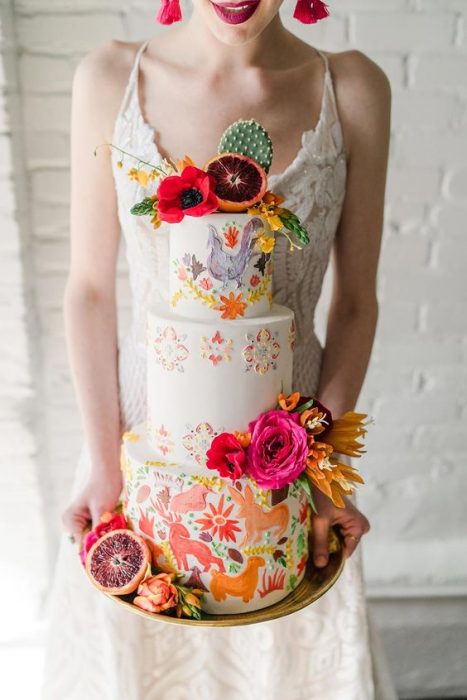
(235, 27)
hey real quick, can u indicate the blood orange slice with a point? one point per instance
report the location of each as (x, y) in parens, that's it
(240, 181)
(118, 562)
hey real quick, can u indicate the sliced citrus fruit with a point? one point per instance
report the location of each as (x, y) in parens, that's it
(240, 181)
(118, 562)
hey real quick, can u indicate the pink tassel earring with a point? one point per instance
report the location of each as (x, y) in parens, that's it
(310, 11)
(169, 12)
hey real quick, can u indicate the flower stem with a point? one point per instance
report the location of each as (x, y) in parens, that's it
(130, 155)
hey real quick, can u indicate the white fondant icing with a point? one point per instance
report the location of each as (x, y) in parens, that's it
(254, 546)
(205, 377)
(216, 255)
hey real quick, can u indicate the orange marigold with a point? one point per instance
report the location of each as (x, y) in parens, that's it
(232, 306)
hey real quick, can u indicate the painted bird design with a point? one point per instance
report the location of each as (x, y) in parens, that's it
(225, 267)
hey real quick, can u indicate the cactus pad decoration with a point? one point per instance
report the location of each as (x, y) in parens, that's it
(250, 139)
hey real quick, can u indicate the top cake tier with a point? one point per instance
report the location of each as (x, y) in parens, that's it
(221, 266)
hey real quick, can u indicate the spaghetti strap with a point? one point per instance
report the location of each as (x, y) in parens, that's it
(325, 61)
(131, 90)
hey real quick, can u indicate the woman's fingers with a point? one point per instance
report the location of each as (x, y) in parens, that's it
(354, 532)
(75, 518)
(320, 541)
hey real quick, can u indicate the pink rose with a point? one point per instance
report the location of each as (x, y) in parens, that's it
(109, 521)
(227, 455)
(278, 449)
(156, 593)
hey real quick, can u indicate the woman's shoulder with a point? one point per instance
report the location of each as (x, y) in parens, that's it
(101, 78)
(363, 95)
(354, 70)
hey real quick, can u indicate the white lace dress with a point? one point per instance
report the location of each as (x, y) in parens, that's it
(328, 651)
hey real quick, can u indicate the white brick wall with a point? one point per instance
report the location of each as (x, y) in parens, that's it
(415, 387)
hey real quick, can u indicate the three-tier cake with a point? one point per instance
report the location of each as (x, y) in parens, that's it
(218, 356)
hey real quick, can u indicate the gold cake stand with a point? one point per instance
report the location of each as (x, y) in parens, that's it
(314, 584)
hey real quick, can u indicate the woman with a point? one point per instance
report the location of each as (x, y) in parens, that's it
(328, 116)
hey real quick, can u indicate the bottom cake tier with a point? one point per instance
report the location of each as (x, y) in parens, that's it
(245, 547)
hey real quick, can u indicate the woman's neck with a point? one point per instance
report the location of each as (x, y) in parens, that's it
(267, 50)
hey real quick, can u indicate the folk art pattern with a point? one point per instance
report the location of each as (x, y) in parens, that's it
(262, 351)
(216, 348)
(198, 440)
(219, 533)
(169, 349)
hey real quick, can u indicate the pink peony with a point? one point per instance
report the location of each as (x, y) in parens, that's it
(278, 449)
(227, 456)
(156, 593)
(109, 521)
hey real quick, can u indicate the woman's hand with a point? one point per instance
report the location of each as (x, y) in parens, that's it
(100, 494)
(352, 523)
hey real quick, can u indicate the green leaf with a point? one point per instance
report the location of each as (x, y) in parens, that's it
(306, 486)
(305, 406)
(292, 223)
(143, 208)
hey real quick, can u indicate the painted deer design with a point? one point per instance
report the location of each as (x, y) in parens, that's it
(243, 585)
(182, 544)
(256, 519)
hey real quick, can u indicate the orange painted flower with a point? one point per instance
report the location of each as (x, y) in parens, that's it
(254, 280)
(231, 236)
(288, 403)
(232, 306)
(218, 521)
(345, 432)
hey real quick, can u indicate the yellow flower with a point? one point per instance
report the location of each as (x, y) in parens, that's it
(268, 208)
(266, 243)
(345, 431)
(155, 219)
(332, 478)
(120, 164)
(140, 176)
(181, 164)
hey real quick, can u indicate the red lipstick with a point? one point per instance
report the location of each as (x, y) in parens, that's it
(235, 12)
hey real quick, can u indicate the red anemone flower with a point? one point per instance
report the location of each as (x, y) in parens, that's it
(191, 193)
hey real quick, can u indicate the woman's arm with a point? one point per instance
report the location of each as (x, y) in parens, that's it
(364, 99)
(90, 300)
(364, 102)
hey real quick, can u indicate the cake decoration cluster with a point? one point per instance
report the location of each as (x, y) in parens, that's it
(234, 180)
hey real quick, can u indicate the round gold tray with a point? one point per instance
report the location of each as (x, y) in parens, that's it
(314, 584)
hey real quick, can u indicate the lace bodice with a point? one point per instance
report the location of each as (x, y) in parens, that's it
(313, 186)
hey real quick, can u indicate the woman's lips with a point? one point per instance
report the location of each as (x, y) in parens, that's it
(235, 12)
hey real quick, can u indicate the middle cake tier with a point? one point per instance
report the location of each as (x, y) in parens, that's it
(205, 378)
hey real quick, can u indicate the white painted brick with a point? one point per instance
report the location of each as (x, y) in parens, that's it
(456, 184)
(413, 183)
(46, 74)
(432, 108)
(47, 150)
(63, 35)
(48, 110)
(442, 70)
(51, 186)
(450, 219)
(423, 147)
(402, 31)
(447, 317)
